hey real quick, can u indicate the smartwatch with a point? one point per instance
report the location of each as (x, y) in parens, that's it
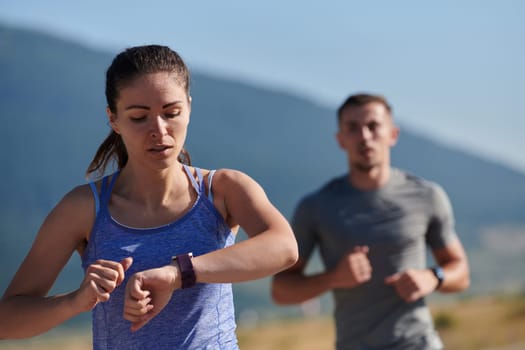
(187, 274)
(440, 275)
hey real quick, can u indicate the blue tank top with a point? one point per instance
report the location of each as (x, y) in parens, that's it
(201, 317)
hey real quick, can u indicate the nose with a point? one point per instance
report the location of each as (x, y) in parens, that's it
(158, 127)
(365, 133)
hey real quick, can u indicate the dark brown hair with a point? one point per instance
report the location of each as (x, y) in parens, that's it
(359, 100)
(125, 67)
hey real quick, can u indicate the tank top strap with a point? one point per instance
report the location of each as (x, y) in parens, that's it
(95, 196)
(210, 178)
(200, 180)
(106, 189)
(197, 184)
(104, 185)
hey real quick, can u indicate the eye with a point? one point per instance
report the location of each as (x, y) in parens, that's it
(172, 114)
(373, 126)
(138, 119)
(352, 127)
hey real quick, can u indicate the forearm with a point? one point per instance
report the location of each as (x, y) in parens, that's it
(254, 258)
(294, 288)
(457, 276)
(453, 260)
(26, 316)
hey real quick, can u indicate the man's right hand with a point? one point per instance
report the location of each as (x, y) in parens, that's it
(353, 269)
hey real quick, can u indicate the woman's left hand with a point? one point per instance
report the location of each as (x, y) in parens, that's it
(147, 293)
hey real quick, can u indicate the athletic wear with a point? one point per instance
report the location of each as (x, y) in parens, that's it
(396, 222)
(201, 317)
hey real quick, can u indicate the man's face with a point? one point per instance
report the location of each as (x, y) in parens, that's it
(366, 133)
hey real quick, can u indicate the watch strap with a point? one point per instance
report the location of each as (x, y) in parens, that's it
(440, 275)
(187, 274)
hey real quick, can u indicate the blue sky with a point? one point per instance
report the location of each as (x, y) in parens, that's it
(453, 70)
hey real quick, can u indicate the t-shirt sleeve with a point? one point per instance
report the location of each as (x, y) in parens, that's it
(303, 225)
(441, 230)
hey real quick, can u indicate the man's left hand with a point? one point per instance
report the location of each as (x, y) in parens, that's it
(411, 284)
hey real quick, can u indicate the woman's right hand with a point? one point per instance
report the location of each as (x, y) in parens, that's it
(100, 280)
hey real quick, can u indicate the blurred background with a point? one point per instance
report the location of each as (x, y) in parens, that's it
(267, 79)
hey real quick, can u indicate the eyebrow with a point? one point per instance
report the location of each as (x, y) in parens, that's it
(167, 105)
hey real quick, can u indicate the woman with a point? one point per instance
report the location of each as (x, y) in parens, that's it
(157, 236)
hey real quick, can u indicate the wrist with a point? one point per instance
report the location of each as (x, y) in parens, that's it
(185, 270)
(174, 273)
(438, 273)
(333, 280)
(77, 302)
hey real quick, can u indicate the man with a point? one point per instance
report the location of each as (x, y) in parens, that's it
(372, 227)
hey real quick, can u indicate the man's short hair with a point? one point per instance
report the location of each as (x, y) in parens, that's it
(359, 100)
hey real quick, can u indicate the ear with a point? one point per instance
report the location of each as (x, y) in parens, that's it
(112, 118)
(339, 139)
(394, 135)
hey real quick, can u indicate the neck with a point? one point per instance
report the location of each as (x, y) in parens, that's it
(371, 178)
(153, 188)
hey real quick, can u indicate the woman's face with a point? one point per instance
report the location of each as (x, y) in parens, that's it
(152, 117)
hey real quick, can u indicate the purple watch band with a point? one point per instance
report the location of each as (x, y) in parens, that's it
(187, 274)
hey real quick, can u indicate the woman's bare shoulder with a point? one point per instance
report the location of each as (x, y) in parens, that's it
(80, 195)
(227, 174)
(77, 206)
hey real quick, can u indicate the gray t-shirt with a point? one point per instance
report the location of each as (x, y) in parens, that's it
(396, 222)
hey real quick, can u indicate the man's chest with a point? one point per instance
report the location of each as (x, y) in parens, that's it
(373, 221)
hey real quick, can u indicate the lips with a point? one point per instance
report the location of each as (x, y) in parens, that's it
(366, 151)
(160, 148)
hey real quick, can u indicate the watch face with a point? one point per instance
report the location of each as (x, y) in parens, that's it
(440, 275)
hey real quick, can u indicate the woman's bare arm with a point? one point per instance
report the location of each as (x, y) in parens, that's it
(25, 308)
